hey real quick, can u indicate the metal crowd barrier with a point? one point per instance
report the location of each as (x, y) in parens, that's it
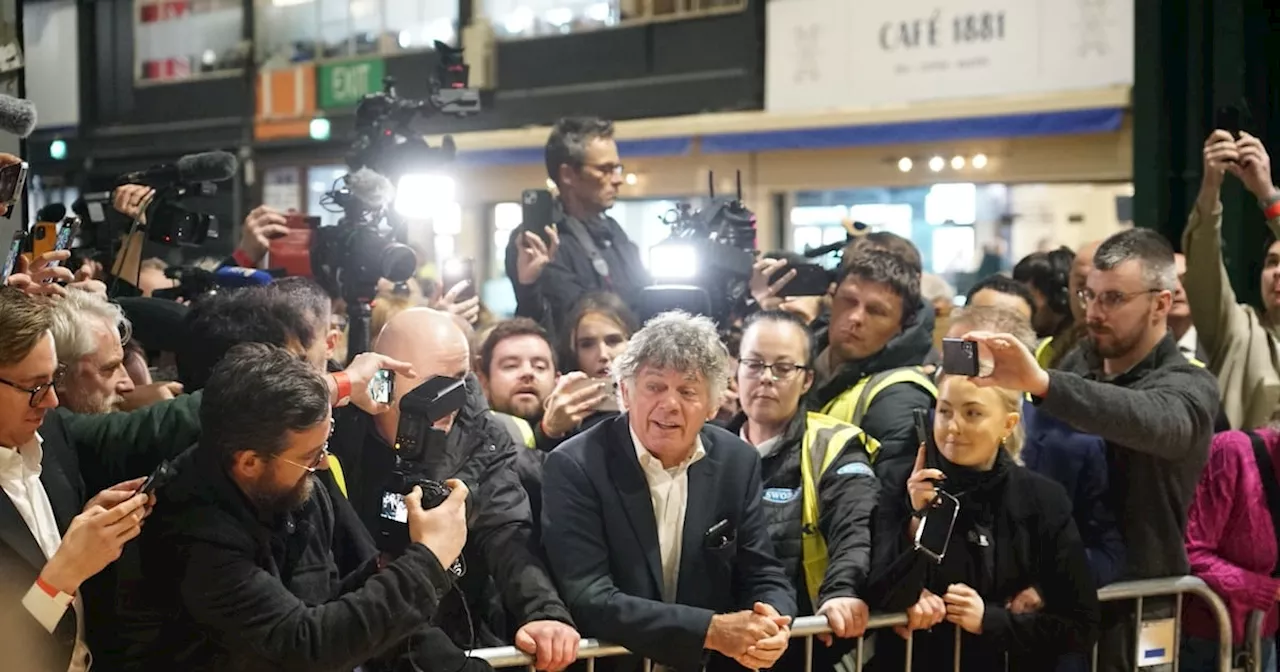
(809, 626)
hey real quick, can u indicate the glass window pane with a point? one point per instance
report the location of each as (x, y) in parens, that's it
(177, 39)
(512, 19)
(320, 180)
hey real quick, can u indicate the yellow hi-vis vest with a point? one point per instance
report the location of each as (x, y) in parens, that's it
(1044, 352)
(519, 428)
(851, 405)
(335, 468)
(824, 438)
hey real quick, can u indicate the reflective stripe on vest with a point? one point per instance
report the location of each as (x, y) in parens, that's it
(824, 438)
(520, 430)
(852, 405)
(1044, 352)
(1195, 362)
(335, 468)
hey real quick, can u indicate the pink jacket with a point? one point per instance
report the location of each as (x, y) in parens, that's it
(1230, 540)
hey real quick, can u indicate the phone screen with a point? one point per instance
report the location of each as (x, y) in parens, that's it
(11, 258)
(959, 357)
(382, 387)
(458, 270)
(13, 178)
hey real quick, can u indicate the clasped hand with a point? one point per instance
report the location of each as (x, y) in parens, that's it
(756, 639)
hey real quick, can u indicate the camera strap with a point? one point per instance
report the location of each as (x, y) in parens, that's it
(579, 231)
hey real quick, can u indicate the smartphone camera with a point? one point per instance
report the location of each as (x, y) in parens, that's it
(960, 357)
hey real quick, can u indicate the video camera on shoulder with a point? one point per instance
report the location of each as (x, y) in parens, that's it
(416, 441)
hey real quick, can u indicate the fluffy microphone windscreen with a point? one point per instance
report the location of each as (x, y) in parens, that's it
(207, 167)
(17, 116)
(370, 187)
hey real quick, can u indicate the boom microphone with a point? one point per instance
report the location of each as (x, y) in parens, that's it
(192, 168)
(17, 116)
(374, 190)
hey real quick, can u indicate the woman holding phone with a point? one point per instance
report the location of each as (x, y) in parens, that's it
(972, 530)
(598, 330)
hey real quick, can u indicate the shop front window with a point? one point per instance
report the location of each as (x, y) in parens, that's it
(298, 31)
(180, 39)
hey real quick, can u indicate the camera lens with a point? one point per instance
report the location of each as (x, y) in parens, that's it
(398, 262)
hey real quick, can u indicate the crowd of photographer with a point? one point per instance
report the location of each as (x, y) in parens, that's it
(200, 484)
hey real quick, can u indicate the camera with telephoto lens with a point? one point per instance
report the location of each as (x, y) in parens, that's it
(417, 440)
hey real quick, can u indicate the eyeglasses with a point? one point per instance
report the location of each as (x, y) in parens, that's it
(1109, 300)
(315, 464)
(777, 370)
(39, 391)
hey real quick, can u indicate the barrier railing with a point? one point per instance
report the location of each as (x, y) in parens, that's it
(809, 626)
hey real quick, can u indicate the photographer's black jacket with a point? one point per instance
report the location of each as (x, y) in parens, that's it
(239, 592)
(504, 565)
(571, 273)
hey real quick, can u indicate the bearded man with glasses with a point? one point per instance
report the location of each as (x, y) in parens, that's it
(1129, 384)
(239, 559)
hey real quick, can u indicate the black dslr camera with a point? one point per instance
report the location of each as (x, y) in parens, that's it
(416, 442)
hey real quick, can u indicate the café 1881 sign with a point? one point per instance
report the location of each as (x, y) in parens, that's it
(825, 54)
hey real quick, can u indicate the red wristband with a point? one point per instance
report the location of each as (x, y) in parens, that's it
(1272, 211)
(243, 259)
(48, 589)
(344, 385)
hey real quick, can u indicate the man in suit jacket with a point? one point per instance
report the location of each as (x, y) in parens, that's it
(51, 542)
(652, 521)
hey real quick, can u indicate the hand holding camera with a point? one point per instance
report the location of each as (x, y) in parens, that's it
(439, 524)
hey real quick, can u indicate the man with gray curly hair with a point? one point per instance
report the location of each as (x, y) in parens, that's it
(652, 521)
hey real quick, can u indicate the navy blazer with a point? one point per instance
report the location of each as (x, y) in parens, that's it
(601, 539)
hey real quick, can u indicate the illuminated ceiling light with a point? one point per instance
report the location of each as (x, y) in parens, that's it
(599, 12)
(631, 179)
(404, 39)
(937, 163)
(319, 129)
(979, 161)
(957, 163)
(904, 164)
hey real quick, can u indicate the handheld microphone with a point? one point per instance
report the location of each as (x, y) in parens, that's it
(192, 168)
(235, 276)
(17, 116)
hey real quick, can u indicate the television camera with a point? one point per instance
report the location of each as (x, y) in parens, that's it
(416, 437)
(704, 266)
(166, 219)
(367, 244)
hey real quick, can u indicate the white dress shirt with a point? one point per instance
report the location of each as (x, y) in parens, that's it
(669, 492)
(1189, 344)
(20, 471)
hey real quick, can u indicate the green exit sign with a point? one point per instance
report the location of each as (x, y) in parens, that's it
(344, 84)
